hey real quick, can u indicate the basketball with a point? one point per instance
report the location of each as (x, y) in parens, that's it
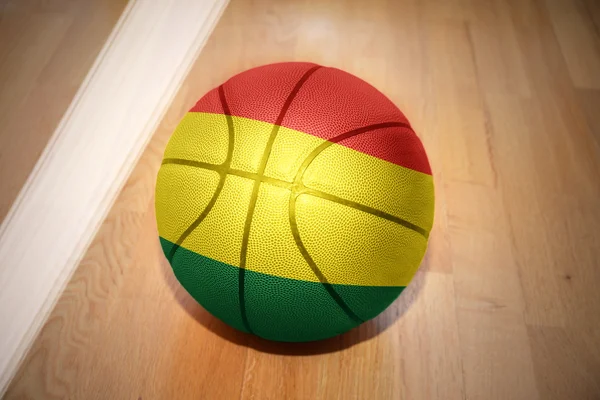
(294, 202)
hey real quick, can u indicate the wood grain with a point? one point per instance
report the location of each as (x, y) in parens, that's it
(46, 50)
(504, 95)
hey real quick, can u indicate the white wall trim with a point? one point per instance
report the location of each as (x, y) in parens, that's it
(89, 157)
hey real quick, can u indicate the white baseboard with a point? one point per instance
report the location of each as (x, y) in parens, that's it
(90, 155)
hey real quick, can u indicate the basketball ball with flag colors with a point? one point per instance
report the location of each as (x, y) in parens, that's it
(294, 202)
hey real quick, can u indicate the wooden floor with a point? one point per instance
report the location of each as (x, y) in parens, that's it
(46, 50)
(505, 95)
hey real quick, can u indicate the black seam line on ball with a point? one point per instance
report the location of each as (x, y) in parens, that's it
(255, 190)
(366, 209)
(309, 260)
(224, 166)
(292, 212)
(336, 139)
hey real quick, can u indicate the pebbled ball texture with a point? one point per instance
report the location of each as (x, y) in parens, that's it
(294, 202)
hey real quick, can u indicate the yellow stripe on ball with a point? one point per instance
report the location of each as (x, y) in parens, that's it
(329, 220)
